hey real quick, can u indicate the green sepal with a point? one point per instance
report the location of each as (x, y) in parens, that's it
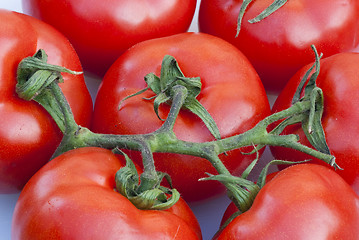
(30, 66)
(197, 108)
(171, 76)
(265, 13)
(145, 194)
(34, 77)
(27, 90)
(155, 199)
(268, 11)
(312, 123)
(132, 95)
(160, 98)
(127, 178)
(298, 92)
(251, 166)
(153, 82)
(263, 175)
(241, 191)
(242, 11)
(312, 126)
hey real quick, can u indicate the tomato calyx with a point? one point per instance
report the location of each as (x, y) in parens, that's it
(312, 126)
(34, 77)
(245, 191)
(265, 13)
(242, 191)
(144, 191)
(171, 75)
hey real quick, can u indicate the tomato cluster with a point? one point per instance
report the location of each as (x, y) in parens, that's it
(76, 195)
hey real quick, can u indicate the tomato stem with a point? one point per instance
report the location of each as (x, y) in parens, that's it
(241, 191)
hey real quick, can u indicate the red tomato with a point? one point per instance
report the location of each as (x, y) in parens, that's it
(73, 197)
(338, 79)
(28, 135)
(102, 30)
(279, 45)
(305, 201)
(231, 92)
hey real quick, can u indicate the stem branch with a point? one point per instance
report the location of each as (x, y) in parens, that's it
(164, 140)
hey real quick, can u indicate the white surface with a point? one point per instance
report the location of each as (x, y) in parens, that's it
(209, 213)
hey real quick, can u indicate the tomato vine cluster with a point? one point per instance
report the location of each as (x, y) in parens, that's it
(179, 117)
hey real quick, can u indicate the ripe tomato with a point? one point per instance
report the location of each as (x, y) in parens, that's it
(28, 135)
(305, 201)
(231, 92)
(73, 197)
(102, 30)
(279, 45)
(338, 79)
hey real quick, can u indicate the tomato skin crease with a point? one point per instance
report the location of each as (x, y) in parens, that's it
(279, 45)
(102, 30)
(28, 135)
(232, 93)
(73, 197)
(316, 203)
(338, 80)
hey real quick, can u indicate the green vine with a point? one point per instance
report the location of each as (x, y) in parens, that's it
(145, 190)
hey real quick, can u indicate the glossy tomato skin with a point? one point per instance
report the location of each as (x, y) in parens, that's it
(73, 197)
(102, 30)
(305, 201)
(28, 135)
(279, 45)
(231, 92)
(338, 79)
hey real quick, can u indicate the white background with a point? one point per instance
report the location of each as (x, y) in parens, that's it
(209, 213)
